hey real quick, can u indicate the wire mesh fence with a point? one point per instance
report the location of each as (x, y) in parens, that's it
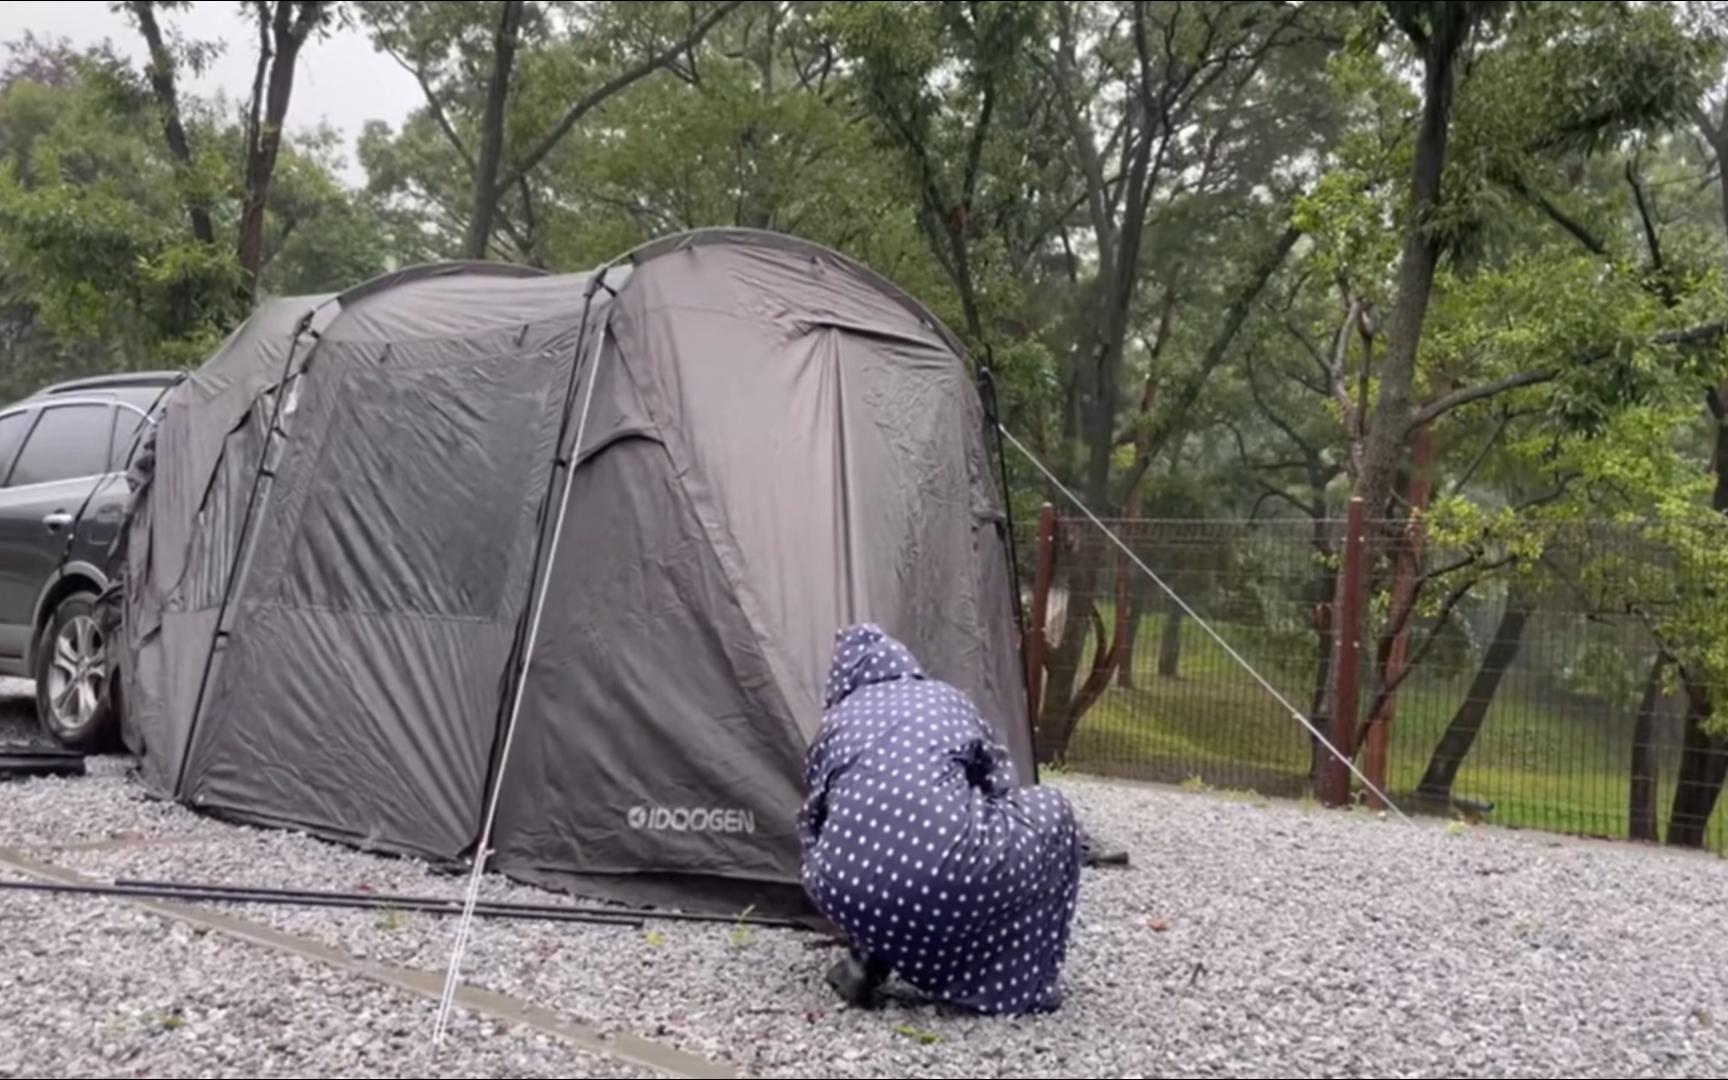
(1545, 680)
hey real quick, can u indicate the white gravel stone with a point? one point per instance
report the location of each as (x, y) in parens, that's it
(95, 989)
(1246, 941)
(18, 725)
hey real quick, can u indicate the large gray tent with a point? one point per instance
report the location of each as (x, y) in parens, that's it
(360, 500)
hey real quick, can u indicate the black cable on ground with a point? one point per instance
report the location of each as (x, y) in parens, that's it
(28, 762)
(638, 917)
(354, 901)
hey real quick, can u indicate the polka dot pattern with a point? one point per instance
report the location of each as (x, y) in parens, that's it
(921, 848)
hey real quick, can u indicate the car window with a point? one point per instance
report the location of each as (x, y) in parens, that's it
(13, 428)
(126, 423)
(70, 441)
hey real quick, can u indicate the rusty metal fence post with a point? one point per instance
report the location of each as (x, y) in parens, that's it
(1335, 777)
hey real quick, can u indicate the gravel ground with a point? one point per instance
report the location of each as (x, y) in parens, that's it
(1331, 945)
(18, 714)
(93, 988)
(90, 989)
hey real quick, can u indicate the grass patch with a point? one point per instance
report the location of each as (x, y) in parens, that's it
(917, 1035)
(1245, 798)
(1543, 762)
(740, 937)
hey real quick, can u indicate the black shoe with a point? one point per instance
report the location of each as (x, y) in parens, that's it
(857, 984)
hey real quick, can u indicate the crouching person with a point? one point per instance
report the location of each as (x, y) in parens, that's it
(920, 847)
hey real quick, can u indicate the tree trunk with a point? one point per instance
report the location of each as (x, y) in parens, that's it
(1704, 759)
(1389, 426)
(487, 190)
(1472, 713)
(1320, 711)
(1324, 593)
(1130, 643)
(1645, 767)
(1389, 422)
(164, 85)
(1721, 147)
(1170, 645)
(1058, 718)
(283, 39)
(1703, 769)
(1716, 400)
(1063, 695)
(753, 211)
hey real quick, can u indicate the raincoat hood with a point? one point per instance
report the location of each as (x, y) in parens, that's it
(865, 655)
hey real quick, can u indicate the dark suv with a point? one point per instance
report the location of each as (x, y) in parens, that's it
(63, 499)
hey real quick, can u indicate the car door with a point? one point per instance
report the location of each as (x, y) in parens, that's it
(105, 515)
(63, 457)
(15, 425)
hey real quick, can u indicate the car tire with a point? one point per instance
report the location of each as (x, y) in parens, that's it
(72, 699)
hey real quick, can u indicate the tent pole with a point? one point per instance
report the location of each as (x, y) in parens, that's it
(483, 849)
(993, 434)
(243, 543)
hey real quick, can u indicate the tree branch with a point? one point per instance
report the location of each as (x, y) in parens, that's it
(1469, 474)
(975, 151)
(1272, 415)
(530, 221)
(1062, 74)
(311, 17)
(1551, 497)
(1351, 412)
(1647, 214)
(1235, 317)
(1250, 464)
(1593, 243)
(617, 85)
(436, 104)
(1714, 131)
(1471, 394)
(1327, 376)
(1414, 661)
(1271, 493)
(164, 84)
(1705, 336)
(266, 52)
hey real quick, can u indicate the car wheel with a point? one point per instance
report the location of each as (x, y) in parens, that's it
(72, 677)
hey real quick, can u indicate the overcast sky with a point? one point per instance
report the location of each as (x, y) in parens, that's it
(341, 80)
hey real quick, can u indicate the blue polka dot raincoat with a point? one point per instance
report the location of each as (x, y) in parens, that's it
(920, 847)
